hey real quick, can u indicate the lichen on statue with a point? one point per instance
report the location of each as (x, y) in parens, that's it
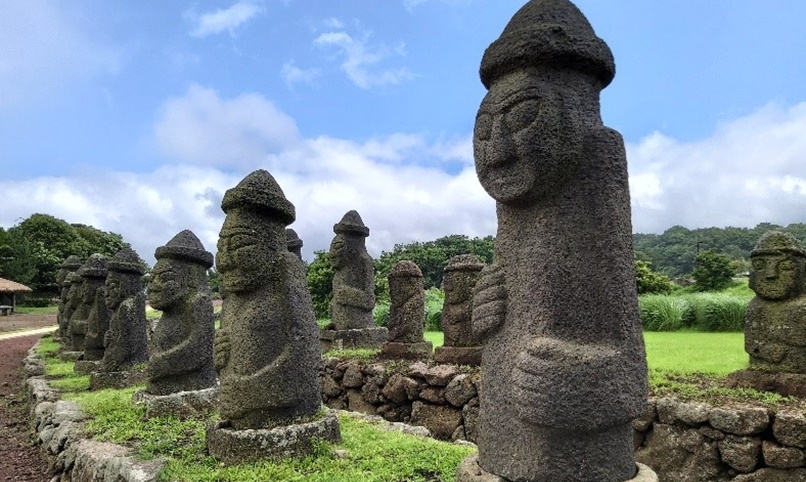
(267, 351)
(125, 341)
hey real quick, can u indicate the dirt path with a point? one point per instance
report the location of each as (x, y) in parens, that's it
(20, 460)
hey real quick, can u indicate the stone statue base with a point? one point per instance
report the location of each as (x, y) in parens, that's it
(297, 440)
(86, 367)
(124, 379)
(458, 355)
(183, 405)
(70, 355)
(470, 471)
(789, 384)
(372, 337)
(407, 351)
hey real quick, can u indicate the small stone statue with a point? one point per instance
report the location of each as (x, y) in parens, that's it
(70, 265)
(266, 352)
(354, 277)
(294, 242)
(406, 314)
(563, 363)
(125, 341)
(74, 311)
(775, 325)
(182, 346)
(460, 344)
(94, 273)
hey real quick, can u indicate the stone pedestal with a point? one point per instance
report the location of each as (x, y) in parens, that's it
(372, 337)
(183, 405)
(458, 355)
(296, 440)
(117, 380)
(86, 367)
(470, 471)
(408, 351)
(788, 384)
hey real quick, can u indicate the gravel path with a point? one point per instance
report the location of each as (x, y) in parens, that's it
(20, 460)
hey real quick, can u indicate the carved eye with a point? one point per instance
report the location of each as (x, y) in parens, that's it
(786, 265)
(484, 126)
(521, 115)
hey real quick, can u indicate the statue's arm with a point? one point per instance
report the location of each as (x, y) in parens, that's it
(186, 353)
(350, 296)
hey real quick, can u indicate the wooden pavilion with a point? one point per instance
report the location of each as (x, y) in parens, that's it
(8, 294)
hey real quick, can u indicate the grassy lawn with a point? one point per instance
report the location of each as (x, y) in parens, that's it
(688, 352)
(45, 310)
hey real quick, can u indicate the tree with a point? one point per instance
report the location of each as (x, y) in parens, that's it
(320, 283)
(16, 258)
(712, 271)
(649, 281)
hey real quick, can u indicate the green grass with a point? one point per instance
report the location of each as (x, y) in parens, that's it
(35, 310)
(689, 352)
(437, 338)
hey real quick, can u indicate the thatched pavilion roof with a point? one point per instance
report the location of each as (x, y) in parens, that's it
(8, 286)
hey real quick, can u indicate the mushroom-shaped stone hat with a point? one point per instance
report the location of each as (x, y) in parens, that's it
(185, 246)
(351, 223)
(94, 267)
(126, 261)
(260, 193)
(776, 243)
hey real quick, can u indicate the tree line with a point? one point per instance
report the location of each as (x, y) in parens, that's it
(32, 251)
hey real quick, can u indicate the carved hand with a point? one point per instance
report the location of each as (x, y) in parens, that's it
(489, 301)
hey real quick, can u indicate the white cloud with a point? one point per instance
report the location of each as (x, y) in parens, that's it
(751, 170)
(45, 51)
(294, 75)
(221, 20)
(202, 128)
(361, 61)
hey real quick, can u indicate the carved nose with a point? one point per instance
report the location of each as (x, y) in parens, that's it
(500, 148)
(771, 272)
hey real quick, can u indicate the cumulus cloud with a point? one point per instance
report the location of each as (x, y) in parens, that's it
(45, 50)
(228, 19)
(201, 128)
(750, 170)
(294, 75)
(362, 61)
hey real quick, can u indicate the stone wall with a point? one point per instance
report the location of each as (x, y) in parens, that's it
(680, 441)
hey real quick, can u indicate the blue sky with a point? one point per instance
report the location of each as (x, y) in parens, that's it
(135, 117)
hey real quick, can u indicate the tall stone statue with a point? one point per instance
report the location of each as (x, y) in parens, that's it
(94, 273)
(182, 346)
(75, 313)
(406, 314)
(125, 341)
(294, 242)
(266, 352)
(775, 327)
(563, 364)
(460, 344)
(352, 325)
(70, 265)
(91, 276)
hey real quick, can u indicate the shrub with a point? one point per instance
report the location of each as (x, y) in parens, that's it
(649, 281)
(719, 312)
(663, 313)
(713, 271)
(37, 302)
(434, 299)
(381, 313)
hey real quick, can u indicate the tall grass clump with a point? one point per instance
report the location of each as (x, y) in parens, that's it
(663, 313)
(434, 299)
(718, 312)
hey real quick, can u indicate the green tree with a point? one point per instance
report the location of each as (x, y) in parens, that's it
(16, 258)
(320, 283)
(712, 271)
(649, 281)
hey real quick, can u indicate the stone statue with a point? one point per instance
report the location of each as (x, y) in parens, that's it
(182, 346)
(775, 324)
(74, 311)
(563, 364)
(94, 273)
(266, 352)
(125, 341)
(406, 314)
(70, 265)
(354, 277)
(294, 242)
(352, 325)
(460, 344)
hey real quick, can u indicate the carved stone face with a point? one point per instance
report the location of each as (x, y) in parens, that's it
(88, 289)
(245, 251)
(114, 295)
(166, 287)
(339, 251)
(777, 276)
(519, 139)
